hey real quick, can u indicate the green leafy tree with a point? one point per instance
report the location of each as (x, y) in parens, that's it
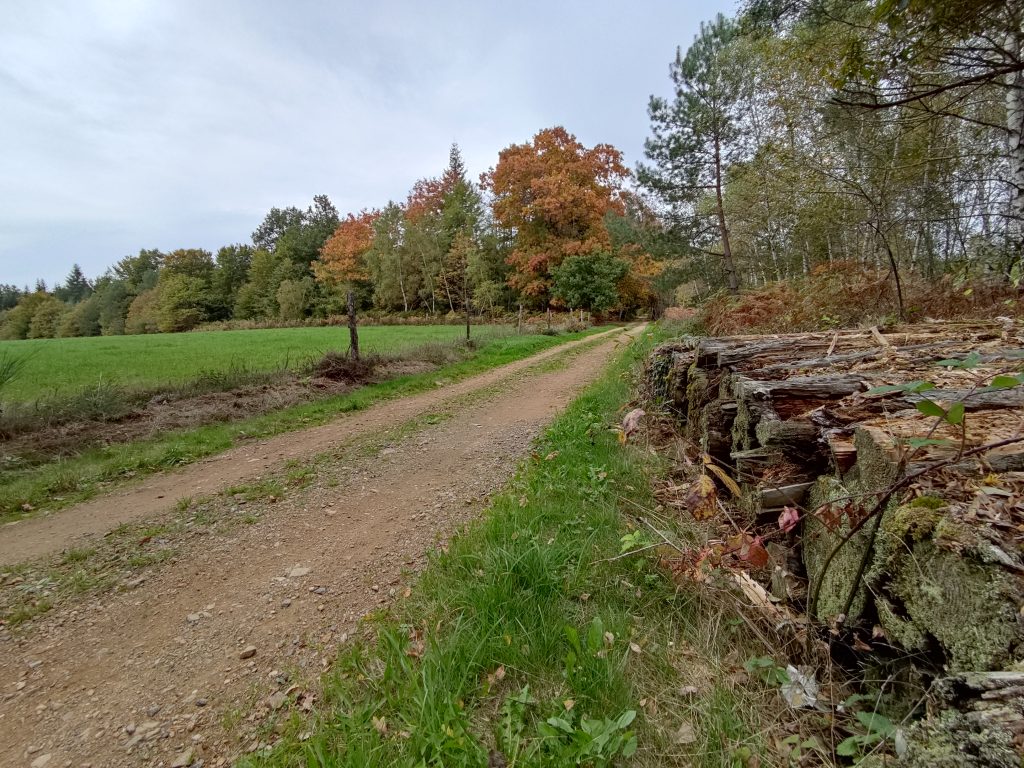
(392, 266)
(83, 319)
(139, 272)
(229, 275)
(294, 298)
(18, 321)
(298, 235)
(695, 135)
(181, 301)
(114, 298)
(9, 295)
(143, 313)
(589, 282)
(46, 320)
(257, 298)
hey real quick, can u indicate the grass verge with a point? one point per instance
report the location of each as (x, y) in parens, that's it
(62, 483)
(528, 641)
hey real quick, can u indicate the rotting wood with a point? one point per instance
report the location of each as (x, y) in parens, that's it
(803, 421)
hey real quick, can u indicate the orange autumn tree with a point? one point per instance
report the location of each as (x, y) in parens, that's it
(553, 193)
(341, 264)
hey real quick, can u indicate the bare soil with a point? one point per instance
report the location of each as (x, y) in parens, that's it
(181, 410)
(160, 675)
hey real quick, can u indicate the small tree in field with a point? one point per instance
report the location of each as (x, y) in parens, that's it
(342, 264)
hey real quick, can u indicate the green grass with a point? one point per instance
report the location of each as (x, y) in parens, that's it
(525, 637)
(62, 367)
(61, 483)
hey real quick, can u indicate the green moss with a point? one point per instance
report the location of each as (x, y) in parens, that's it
(928, 502)
(911, 522)
(934, 585)
(696, 395)
(968, 607)
(949, 741)
(743, 437)
(818, 542)
(875, 469)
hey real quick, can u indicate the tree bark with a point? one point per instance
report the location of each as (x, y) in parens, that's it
(353, 329)
(732, 279)
(1015, 127)
(465, 299)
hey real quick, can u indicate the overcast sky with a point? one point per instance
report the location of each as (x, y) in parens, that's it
(128, 124)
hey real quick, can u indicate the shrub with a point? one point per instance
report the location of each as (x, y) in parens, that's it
(844, 294)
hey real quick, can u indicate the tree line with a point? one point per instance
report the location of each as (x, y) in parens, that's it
(804, 133)
(799, 135)
(550, 225)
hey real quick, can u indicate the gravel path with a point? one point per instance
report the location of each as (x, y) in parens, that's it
(75, 526)
(190, 662)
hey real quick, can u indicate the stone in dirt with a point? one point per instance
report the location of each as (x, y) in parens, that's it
(298, 571)
(248, 652)
(42, 761)
(183, 760)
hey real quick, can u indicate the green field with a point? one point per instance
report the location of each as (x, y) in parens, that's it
(63, 366)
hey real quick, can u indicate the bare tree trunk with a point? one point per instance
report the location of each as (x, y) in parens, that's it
(1015, 126)
(465, 299)
(732, 279)
(353, 329)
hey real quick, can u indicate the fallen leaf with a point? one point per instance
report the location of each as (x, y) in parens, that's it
(860, 645)
(722, 475)
(700, 499)
(552, 456)
(801, 690)
(631, 422)
(788, 519)
(380, 725)
(635, 648)
(569, 704)
(753, 552)
(685, 733)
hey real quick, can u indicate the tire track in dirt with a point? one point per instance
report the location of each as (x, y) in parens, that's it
(73, 526)
(156, 675)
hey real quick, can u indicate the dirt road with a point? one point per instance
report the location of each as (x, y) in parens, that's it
(75, 526)
(239, 625)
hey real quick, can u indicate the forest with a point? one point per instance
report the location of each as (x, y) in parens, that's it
(800, 141)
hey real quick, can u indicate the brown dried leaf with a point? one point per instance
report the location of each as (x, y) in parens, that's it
(722, 475)
(701, 497)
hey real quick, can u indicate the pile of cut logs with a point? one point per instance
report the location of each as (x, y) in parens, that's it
(783, 410)
(826, 423)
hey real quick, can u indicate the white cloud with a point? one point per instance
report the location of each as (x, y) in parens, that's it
(138, 123)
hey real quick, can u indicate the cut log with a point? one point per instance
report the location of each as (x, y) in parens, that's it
(784, 496)
(752, 464)
(716, 427)
(797, 438)
(798, 388)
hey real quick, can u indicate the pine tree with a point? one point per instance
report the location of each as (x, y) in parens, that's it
(694, 135)
(76, 287)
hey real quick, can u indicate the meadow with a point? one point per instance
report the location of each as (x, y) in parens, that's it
(60, 367)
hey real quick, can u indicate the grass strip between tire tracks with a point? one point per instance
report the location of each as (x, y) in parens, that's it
(66, 482)
(523, 644)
